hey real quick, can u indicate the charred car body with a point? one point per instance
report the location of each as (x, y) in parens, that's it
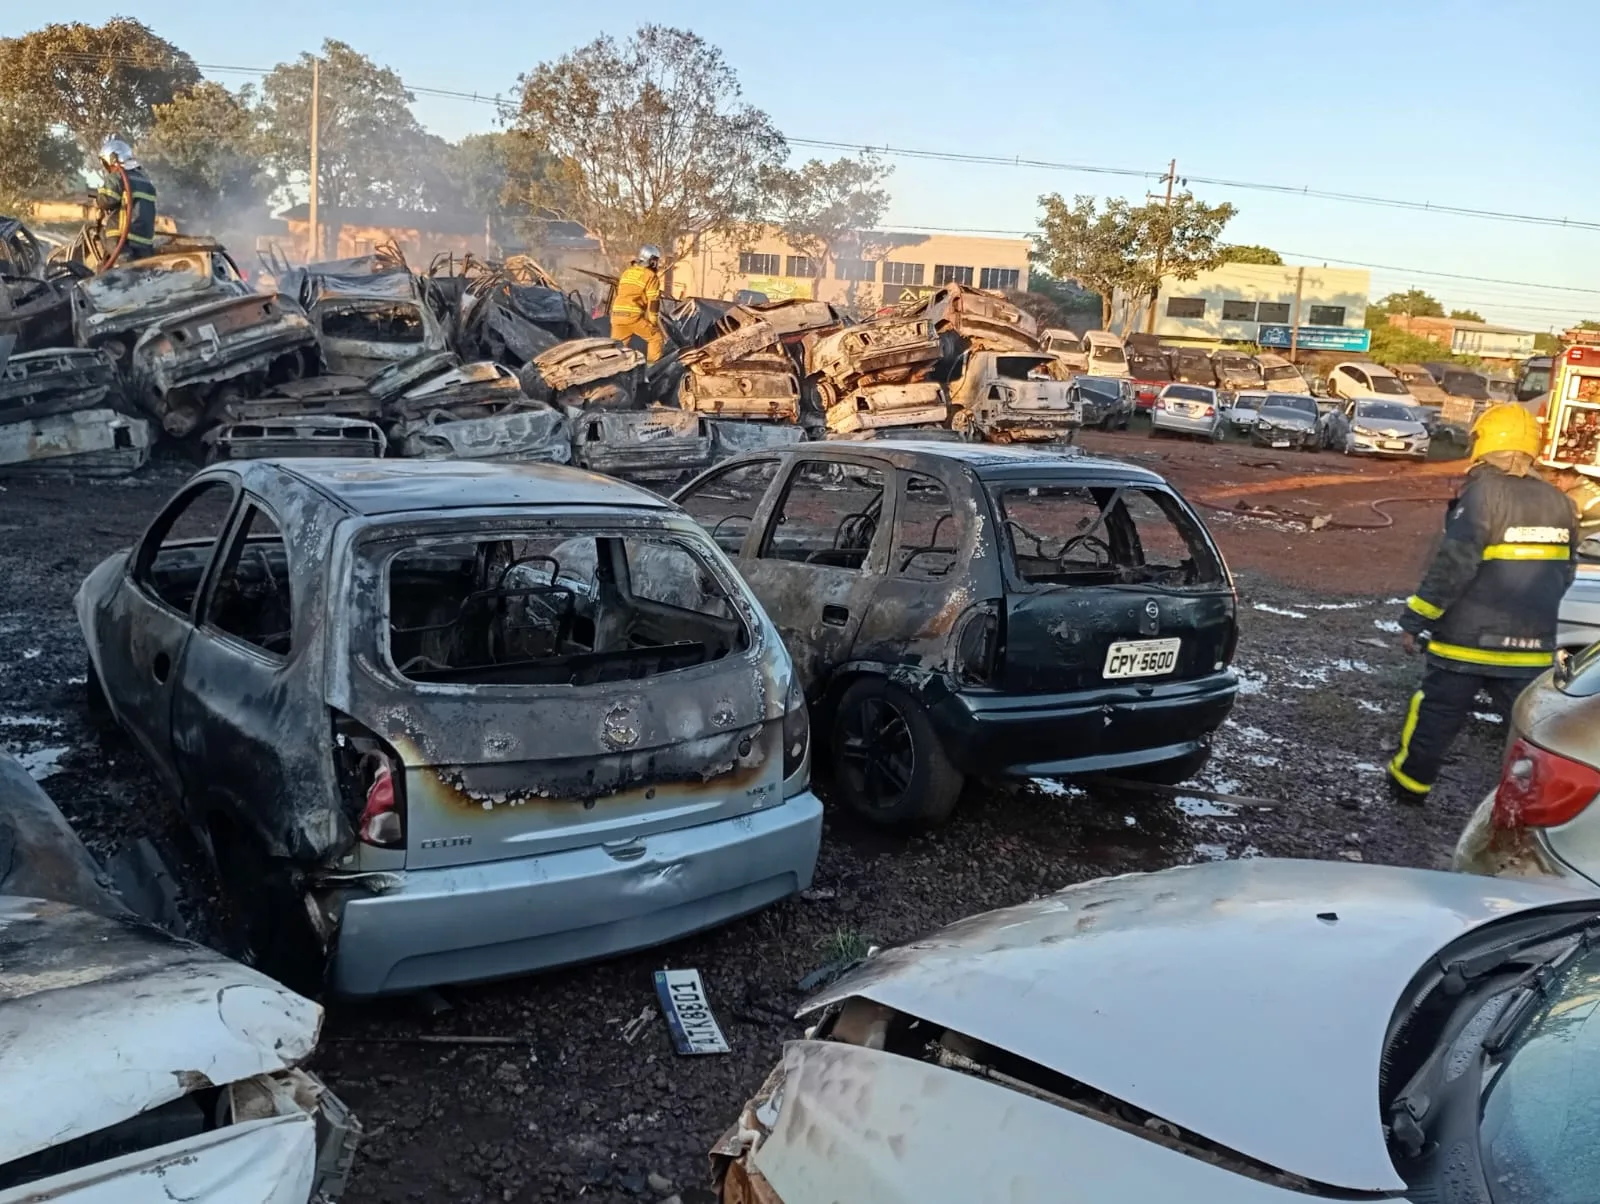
(442, 722)
(60, 409)
(956, 609)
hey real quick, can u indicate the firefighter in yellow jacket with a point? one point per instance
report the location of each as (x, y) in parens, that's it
(636, 305)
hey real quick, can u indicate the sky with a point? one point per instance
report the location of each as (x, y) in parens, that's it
(1467, 104)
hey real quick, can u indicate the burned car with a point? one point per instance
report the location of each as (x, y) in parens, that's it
(956, 609)
(1016, 397)
(367, 322)
(61, 411)
(447, 721)
(1242, 1032)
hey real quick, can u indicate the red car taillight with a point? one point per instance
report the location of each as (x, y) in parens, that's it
(1211, 412)
(1539, 789)
(1160, 405)
(372, 779)
(381, 823)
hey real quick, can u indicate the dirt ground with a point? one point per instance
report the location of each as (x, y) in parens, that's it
(572, 1111)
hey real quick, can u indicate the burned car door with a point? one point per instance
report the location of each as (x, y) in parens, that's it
(820, 560)
(143, 620)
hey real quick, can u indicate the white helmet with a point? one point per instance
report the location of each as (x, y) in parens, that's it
(649, 253)
(114, 151)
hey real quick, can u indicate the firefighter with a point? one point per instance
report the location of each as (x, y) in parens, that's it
(1485, 613)
(128, 197)
(636, 306)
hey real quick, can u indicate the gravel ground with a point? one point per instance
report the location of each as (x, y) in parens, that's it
(574, 1110)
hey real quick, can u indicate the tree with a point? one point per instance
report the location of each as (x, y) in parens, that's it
(34, 159)
(1250, 253)
(371, 148)
(205, 152)
(1413, 303)
(825, 208)
(93, 81)
(1466, 315)
(1126, 248)
(1546, 343)
(647, 142)
(1391, 345)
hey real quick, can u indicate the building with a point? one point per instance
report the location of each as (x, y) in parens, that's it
(1255, 303)
(1497, 345)
(880, 268)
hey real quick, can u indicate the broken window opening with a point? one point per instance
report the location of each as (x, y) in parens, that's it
(830, 515)
(929, 535)
(372, 321)
(553, 610)
(173, 558)
(1101, 535)
(252, 599)
(725, 505)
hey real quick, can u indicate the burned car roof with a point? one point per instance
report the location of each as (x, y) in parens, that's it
(386, 487)
(993, 460)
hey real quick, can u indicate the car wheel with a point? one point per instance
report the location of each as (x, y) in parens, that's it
(888, 764)
(267, 924)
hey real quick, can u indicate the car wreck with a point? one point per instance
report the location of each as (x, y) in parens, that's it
(364, 323)
(60, 412)
(438, 722)
(1018, 397)
(954, 609)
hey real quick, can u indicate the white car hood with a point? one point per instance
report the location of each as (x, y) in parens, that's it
(1215, 996)
(101, 1019)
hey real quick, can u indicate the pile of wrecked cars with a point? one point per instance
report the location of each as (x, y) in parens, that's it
(475, 359)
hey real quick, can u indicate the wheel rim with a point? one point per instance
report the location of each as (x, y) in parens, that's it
(877, 755)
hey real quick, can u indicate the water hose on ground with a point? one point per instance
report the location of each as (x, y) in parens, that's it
(1378, 507)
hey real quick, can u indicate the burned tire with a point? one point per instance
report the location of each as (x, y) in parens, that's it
(888, 764)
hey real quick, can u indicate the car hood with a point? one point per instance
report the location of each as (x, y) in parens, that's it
(1394, 428)
(101, 1019)
(1247, 1001)
(1296, 419)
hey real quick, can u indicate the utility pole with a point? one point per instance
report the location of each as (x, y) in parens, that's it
(1294, 318)
(314, 246)
(1150, 315)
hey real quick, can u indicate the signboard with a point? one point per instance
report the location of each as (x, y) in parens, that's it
(780, 288)
(1317, 338)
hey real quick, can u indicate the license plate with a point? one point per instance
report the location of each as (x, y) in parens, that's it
(683, 1001)
(1393, 445)
(1142, 658)
(1280, 443)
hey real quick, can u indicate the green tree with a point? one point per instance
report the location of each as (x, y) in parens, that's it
(1250, 253)
(1126, 248)
(34, 160)
(826, 208)
(1546, 343)
(1064, 296)
(1413, 303)
(1466, 315)
(1588, 324)
(205, 151)
(647, 141)
(371, 148)
(92, 81)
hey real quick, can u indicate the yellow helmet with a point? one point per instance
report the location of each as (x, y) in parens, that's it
(1505, 427)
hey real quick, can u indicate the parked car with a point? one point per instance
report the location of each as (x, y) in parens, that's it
(1541, 820)
(1104, 401)
(1286, 421)
(1458, 380)
(445, 721)
(1279, 375)
(1067, 348)
(1340, 1031)
(1104, 354)
(1353, 381)
(1191, 366)
(1580, 608)
(1093, 635)
(1427, 396)
(1240, 411)
(1148, 373)
(1187, 410)
(1377, 428)
(1235, 370)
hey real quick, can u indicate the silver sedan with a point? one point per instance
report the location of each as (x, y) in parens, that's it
(1187, 410)
(1375, 428)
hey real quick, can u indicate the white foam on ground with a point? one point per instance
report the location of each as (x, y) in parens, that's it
(1278, 610)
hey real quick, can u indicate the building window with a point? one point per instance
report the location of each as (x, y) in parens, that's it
(753, 264)
(1186, 307)
(1238, 311)
(1273, 311)
(999, 279)
(902, 273)
(947, 273)
(855, 269)
(800, 265)
(1327, 315)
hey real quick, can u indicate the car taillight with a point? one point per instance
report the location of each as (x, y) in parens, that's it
(977, 641)
(1539, 789)
(381, 823)
(796, 729)
(372, 780)
(1160, 405)
(1210, 412)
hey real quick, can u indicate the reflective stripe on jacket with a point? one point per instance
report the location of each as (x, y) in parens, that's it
(638, 293)
(1491, 595)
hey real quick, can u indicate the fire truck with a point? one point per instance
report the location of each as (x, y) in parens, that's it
(1570, 414)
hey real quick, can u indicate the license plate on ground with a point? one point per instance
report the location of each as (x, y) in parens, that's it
(1393, 445)
(1142, 658)
(683, 1001)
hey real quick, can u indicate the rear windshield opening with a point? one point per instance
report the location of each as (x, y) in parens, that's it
(1104, 535)
(554, 610)
(378, 322)
(1280, 372)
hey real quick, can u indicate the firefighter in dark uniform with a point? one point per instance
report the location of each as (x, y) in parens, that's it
(1486, 609)
(127, 203)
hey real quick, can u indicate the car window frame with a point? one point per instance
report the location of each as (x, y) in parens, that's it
(150, 543)
(758, 519)
(962, 556)
(244, 502)
(873, 563)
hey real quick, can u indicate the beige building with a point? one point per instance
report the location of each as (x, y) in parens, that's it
(1500, 345)
(879, 269)
(1234, 302)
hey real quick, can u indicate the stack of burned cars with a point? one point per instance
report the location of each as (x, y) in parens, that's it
(438, 722)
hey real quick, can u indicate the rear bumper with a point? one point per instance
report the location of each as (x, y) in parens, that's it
(1205, 428)
(504, 918)
(1502, 853)
(1091, 731)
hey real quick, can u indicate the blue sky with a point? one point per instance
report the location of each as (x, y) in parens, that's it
(1468, 103)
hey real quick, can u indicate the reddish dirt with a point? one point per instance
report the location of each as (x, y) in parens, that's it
(1300, 486)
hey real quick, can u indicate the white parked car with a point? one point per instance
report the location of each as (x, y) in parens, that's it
(1355, 380)
(1104, 354)
(1241, 1032)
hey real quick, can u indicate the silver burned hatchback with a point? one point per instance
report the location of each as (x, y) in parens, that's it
(444, 721)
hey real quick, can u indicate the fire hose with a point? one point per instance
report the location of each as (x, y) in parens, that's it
(1378, 507)
(126, 222)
